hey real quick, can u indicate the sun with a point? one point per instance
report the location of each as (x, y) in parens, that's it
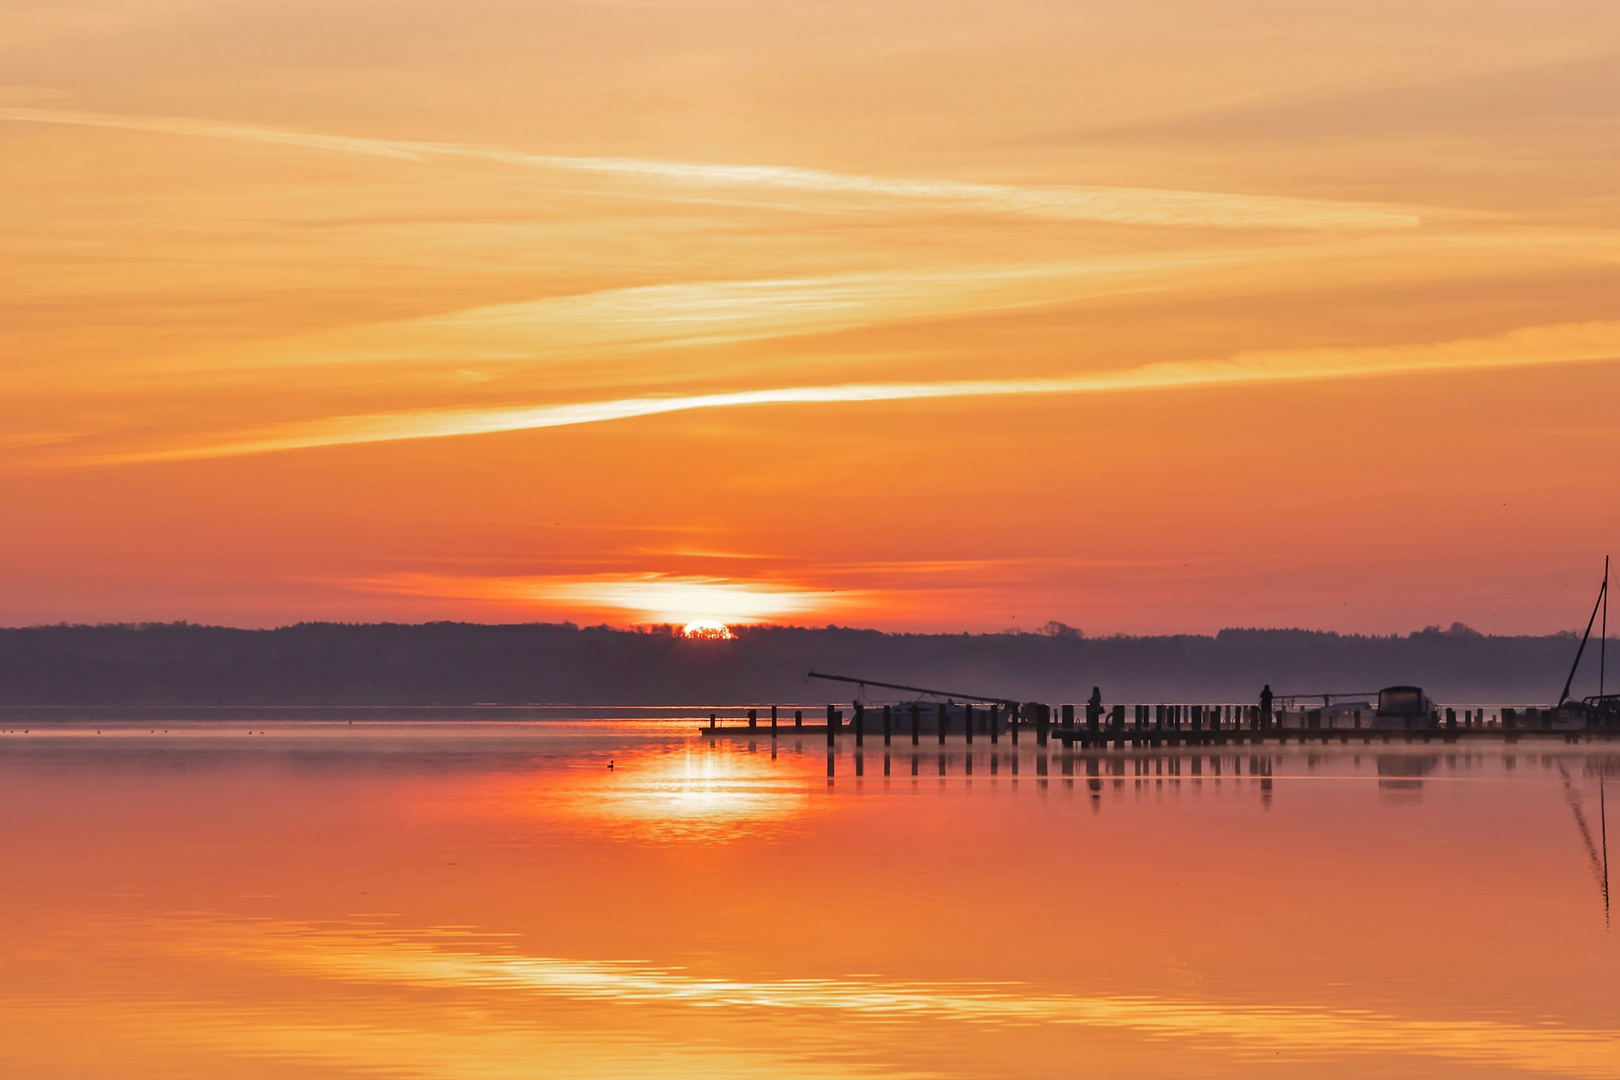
(708, 630)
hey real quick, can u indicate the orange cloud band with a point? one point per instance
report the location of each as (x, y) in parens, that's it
(1561, 344)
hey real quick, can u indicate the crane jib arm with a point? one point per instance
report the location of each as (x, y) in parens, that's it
(996, 698)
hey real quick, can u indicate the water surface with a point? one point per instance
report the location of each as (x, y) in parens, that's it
(452, 900)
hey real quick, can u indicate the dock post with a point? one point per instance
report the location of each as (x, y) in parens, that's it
(944, 717)
(798, 719)
(1012, 724)
(832, 724)
(1451, 719)
(860, 724)
(753, 719)
(1068, 718)
(967, 718)
(916, 727)
(711, 721)
(888, 724)
(995, 717)
(1042, 717)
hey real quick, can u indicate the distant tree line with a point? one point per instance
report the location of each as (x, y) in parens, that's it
(548, 663)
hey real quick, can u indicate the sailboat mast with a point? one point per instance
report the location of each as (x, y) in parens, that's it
(1603, 603)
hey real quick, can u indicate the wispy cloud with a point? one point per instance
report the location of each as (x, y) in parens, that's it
(1534, 346)
(636, 322)
(213, 129)
(1123, 205)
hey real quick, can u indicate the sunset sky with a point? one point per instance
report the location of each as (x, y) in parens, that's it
(1145, 317)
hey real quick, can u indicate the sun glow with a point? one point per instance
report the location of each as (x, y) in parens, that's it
(680, 600)
(708, 630)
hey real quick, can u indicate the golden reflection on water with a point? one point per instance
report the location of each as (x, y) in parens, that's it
(1250, 1031)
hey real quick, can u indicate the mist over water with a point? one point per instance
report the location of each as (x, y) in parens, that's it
(466, 899)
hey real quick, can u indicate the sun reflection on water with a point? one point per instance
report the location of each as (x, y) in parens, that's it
(664, 795)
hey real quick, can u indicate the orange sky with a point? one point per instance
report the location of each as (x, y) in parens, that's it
(1144, 317)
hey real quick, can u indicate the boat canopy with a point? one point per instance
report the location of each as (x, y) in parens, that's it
(1402, 701)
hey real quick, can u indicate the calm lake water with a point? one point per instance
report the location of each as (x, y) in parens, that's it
(479, 901)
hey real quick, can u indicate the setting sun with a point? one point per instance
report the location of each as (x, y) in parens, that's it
(708, 630)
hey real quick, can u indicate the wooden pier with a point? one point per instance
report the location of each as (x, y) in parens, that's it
(1135, 727)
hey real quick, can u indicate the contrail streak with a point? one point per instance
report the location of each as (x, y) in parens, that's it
(1136, 206)
(1569, 343)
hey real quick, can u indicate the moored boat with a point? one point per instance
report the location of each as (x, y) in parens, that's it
(1404, 708)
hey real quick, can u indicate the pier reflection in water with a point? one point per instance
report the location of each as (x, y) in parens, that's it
(493, 901)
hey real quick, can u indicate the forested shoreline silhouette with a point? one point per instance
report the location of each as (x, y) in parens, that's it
(452, 664)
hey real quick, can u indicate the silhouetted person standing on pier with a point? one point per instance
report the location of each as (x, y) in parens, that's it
(1094, 708)
(1265, 708)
